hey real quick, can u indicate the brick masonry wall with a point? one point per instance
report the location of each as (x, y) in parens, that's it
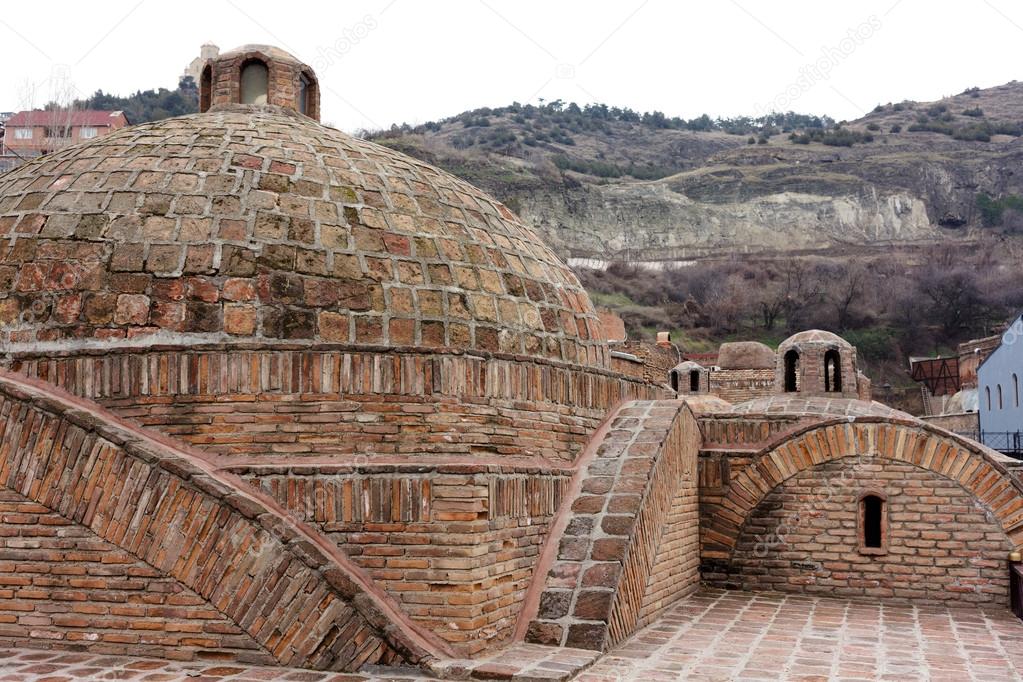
(757, 480)
(62, 586)
(456, 546)
(266, 403)
(966, 422)
(294, 594)
(802, 537)
(609, 569)
(740, 385)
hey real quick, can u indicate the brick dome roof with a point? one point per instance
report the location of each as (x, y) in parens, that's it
(257, 225)
(745, 355)
(814, 336)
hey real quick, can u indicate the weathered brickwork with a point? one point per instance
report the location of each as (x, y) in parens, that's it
(811, 347)
(250, 223)
(456, 545)
(609, 569)
(299, 599)
(941, 544)
(61, 585)
(271, 403)
(222, 83)
(740, 385)
(928, 473)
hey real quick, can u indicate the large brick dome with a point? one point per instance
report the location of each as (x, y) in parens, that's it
(255, 224)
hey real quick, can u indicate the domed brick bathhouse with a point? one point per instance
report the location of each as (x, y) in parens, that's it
(275, 395)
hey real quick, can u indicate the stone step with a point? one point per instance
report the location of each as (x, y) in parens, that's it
(520, 663)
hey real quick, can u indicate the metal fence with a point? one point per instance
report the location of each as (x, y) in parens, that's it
(1007, 442)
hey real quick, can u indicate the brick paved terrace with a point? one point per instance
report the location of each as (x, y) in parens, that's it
(712, 635)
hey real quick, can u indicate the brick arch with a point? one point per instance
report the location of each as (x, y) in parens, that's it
(978, 470)
(286, 586)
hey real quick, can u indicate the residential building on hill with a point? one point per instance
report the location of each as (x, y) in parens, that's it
(37, 132)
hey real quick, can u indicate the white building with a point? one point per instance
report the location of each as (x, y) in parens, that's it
(998, 390)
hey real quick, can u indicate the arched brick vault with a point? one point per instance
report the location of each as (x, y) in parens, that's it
(978, 470)
(290, 589)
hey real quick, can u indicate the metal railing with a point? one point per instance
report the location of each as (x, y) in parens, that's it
(1006, 442)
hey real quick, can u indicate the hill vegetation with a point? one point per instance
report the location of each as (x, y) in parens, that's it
(145, 105)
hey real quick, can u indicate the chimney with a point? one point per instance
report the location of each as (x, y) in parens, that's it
(664, 339)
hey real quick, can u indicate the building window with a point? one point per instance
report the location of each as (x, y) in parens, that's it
(22, 133)
(1015, 388)
(987, 394)
(791, 371)
(832, 371)
(873, 523)
(255, 82)
(674, 380)
(57, 131)
(999, 396)
(694, 381)
(87, 133)
(205, 88)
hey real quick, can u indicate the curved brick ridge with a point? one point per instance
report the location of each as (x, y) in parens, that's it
(978, 470)
(626, 547)
(293, 591)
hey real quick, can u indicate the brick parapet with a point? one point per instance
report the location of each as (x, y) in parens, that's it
(251, 403)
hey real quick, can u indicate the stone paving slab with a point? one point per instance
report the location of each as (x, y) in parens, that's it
(752, 637)
(714, 635)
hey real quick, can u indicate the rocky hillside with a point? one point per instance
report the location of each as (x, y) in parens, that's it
(614, 184)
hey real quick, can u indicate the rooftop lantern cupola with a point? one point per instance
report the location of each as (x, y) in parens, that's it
(259, 75)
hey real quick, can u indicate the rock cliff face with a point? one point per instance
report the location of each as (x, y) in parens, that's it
(650, 221)
(915, 173)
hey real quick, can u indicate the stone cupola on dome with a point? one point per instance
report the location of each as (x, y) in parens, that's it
(259, 75)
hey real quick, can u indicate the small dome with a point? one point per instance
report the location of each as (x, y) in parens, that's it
(254, 224)
(814, 336)
(269, 51)
(745, 355)
(688, 366)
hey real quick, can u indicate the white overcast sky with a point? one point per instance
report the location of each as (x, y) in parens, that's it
(388, 61)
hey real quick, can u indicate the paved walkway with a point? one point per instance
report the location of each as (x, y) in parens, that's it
(713, 635)
(741, 636)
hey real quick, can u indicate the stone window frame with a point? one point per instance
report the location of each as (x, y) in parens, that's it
(248, 60)
(310, 99)
(861, 522)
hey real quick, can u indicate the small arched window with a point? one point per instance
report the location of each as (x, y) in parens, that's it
(205, 88)
(832, 371)
(306, 95)
(674, 380)
(1015, 388)
(873, 523)
(987, 394)
(254, 82)
(1000, 405)
(791, 371)
(694, 381)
